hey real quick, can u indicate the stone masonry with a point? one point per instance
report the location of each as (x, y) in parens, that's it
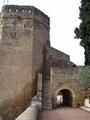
(25, 52)
(69, 79)
(24, 34)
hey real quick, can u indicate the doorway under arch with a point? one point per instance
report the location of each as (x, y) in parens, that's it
(64, 98)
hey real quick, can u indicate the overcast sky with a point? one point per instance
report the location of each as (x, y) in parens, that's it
(64, 18)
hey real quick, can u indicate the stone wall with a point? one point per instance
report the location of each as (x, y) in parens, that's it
(32, 111)
(41, 39)
(57, 58)
(15, 65)
(24, 52)
(0, 27)
(25, 11)
(21, 56)
(68, 79)
(57, 54)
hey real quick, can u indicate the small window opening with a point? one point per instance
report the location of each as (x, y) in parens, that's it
(23, 11)
(29, 11)
(9, 10)
(16, 10)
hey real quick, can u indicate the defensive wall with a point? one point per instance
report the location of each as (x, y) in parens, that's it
(24, 34)
(25, 11)
(55, 57)
(73, 79)
(25, 51)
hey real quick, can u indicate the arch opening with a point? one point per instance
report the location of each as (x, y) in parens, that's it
(64, 98)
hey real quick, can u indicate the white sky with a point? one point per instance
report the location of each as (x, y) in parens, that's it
(64, 18)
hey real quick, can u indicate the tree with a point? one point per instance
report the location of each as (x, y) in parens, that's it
(83, 32)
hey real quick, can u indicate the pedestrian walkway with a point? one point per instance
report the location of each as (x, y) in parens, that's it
(64, 114)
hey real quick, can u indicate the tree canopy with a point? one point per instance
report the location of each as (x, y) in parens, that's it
(83, 32)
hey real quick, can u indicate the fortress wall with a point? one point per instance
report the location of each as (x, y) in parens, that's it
(24, 51)
(15, 66)
(25, 11)
(41, 38)
(57, 58)
(64, 76)
(17, 49)
(0, 27)
(56, 53)
(70, 78)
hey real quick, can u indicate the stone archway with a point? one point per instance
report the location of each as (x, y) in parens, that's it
(65, 98)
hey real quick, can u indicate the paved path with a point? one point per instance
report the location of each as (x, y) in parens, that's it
(65, 114)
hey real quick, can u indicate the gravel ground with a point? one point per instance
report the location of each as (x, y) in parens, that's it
(64, 114)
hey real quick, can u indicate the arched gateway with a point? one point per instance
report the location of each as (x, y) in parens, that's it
(67, 88)
(64, 98)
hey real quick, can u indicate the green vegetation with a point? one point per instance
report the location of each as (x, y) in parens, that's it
(85, 77)
(83, 32)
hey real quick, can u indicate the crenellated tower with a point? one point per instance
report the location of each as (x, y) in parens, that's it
(24, 35)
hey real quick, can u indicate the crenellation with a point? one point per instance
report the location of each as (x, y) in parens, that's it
(13, 11)
(16, 8)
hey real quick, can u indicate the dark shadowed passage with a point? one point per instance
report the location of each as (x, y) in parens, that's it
(64, 98)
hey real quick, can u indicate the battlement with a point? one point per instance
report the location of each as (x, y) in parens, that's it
(24, 11)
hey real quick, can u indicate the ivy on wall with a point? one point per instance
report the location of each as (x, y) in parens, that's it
(85, 77)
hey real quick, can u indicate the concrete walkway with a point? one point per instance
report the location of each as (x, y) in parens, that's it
(65, 114)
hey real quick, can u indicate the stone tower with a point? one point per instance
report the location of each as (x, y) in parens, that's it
(24, 33)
